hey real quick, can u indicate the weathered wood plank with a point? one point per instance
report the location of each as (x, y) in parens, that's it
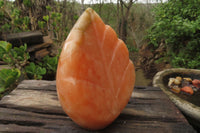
(34, 107)
(41, 53)
(47, 42)
(17, 39)
(38, 47)
(47, 39)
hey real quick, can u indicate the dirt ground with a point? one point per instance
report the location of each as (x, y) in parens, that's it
(145, 64)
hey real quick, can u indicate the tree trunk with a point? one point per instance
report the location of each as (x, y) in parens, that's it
(123, 18)
(100, 6)
(82, 5)
(64, 24)
(118, 18)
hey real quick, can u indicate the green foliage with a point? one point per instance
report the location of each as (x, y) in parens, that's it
(108, 13)
(41, 24)
(35, 71)
(76, 17)
(8, 77)
(177, 23)
(27, 3)
(25, 23)
(5, 47)
(48, 8)
(16, 57)
(46, 18)
(131, 48)
(11, 19)
(50, 63)
(53, 22)
(1, 3)
(5, 27)
(56, 25)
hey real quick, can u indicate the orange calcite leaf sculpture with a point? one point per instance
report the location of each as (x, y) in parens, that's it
(95, 77)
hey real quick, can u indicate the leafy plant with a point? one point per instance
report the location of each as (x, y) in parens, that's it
(1, 3)
(50, 63)
(52, 23)
(48, 8)
(11, 18)
(177, 25)
(16, 57)
(35, 71)
(8, 77)
(27, 3)
(4, 48)
(131, 48)
(41, 24)
(46, 18)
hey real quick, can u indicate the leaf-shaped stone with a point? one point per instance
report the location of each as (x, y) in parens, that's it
(95, 77)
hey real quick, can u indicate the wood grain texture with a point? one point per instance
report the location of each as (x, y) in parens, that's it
(47, 43)
(34, 107)
(29, 37)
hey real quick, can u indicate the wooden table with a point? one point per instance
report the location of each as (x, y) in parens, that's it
(34, 107)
